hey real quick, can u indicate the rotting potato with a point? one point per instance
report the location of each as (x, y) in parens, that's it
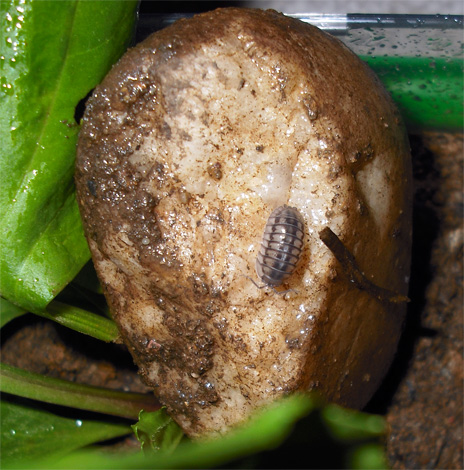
(188, 145)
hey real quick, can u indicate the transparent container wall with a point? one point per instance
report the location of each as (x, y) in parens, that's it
(420, 59)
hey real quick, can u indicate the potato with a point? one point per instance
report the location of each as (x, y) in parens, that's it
(188, 145)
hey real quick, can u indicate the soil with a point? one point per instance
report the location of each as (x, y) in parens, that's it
(425, 413)
(421, 398)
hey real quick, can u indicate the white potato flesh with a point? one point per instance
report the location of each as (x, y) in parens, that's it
(186, 148)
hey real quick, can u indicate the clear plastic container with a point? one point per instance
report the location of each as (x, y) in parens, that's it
(419, 58)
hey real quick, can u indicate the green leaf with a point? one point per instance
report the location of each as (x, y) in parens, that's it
(290, 432)
(9, 311)
(266, 430)
(54, 54)
(84, 397)
(157, 431)
(369, 456)
(349, 425)
(29, 433)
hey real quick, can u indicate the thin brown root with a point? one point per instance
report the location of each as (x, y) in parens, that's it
(351, 269)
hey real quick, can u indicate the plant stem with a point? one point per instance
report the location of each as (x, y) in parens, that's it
(85, 397)
(81, 320)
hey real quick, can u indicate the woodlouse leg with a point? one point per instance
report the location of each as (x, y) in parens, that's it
(270, 287)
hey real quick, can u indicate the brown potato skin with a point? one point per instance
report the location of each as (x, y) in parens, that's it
(352, 340)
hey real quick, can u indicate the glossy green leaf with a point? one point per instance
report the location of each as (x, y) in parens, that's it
(53, 54)
(9, 311)
(84, 397)
(29, 433)
(157, 431)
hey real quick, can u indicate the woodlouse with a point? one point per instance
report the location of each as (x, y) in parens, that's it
(281, 246)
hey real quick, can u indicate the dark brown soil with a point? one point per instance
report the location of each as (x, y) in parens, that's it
(426, 411)
(422, 398)
(47, 348)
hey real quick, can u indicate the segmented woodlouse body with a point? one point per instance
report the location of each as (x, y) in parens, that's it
(281, 246)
